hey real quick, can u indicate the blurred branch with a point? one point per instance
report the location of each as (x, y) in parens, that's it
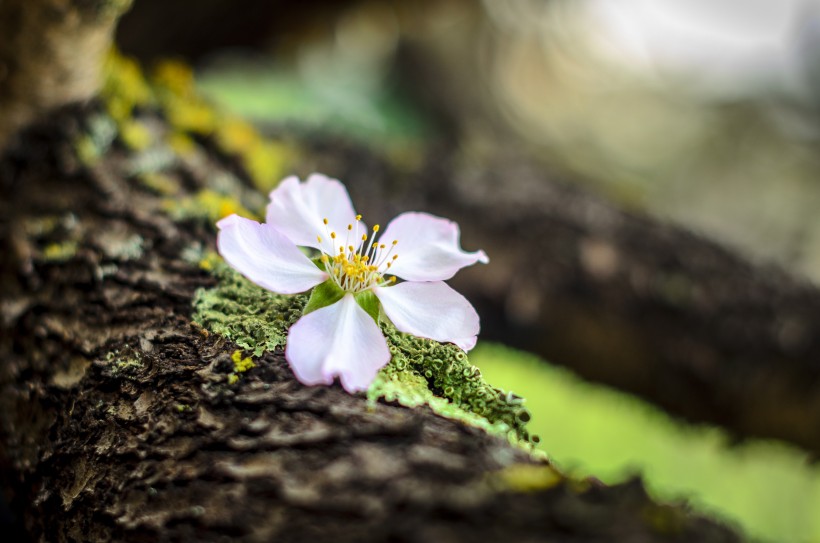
(50, 55)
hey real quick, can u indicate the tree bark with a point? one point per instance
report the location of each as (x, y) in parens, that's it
(118, 421)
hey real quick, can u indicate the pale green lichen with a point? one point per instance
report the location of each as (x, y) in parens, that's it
(255, 319)
(125, 361)
(421, 371)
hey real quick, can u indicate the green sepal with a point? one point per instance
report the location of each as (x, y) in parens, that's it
(368, 301)
(323, 295)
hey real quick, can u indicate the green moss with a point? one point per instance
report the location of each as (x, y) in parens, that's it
(421, 371)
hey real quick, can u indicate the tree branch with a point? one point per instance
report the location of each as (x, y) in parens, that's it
(119, 422)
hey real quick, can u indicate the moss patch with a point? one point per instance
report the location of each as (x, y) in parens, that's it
(421, 371)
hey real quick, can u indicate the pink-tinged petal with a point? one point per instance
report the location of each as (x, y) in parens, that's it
(431, 310)
(337, 340)
(298, 209)
(265, 256)
(428, 247)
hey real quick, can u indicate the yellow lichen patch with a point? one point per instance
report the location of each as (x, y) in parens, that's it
(175, 76)
(526, 478)
(135, 135)
(266, 162)
(60, 252)
(241, 364)
(210, 261)
(191, 116)
(186, 111)
(235, 135)
(181, 143)
(124, 87)
(206, 204)
(160, 183)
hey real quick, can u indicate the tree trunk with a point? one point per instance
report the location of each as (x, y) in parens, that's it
(120, 422)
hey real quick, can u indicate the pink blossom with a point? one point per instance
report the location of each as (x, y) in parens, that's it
(340, 338)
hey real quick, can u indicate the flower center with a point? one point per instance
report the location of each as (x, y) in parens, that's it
(357, 269)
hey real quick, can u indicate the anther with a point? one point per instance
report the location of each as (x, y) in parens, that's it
(358, 217)
(350, 227)
(395, 241)
(333, 235)
(375, 227)
(319, 239)
(324, 221)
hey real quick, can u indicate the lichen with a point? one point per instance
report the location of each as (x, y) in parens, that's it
(255, 319)
(60, 252)
(452, 387)
(124, 362)
(170, 88)
(240, 365)
(206, 205)
(421, 371)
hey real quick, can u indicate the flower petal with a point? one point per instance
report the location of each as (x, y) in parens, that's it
(431, 310)
(428, 247)
(265, 256)
(298, 209)
(340, 339)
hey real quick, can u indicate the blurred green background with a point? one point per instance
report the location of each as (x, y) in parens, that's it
(768, 489)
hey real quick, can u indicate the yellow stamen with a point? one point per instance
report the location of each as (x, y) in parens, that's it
(324, 221)
(375, 227)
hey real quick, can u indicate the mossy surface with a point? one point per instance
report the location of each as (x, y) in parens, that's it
(254, 318)
(421, 371)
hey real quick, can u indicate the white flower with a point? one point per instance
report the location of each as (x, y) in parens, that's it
(341, 338)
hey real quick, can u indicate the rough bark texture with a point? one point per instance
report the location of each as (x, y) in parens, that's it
(50, 54)
(622, 298)
(119, 423)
